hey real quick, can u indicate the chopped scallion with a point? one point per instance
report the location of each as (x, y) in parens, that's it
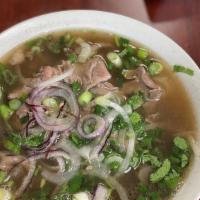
(85, 98)
(5, 111)
(115, 59)
(142, 53)
(179, 68)
(155, 68)
(14, 104)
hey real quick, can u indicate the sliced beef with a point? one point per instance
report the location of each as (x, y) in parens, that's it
(90, 74)
(103, 88)
(152, 90)
(18, 92)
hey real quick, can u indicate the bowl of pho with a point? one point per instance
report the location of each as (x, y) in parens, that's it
(97, 106)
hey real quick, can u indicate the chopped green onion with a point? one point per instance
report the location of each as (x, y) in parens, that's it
(117, 43)
(115, 59)
(5, 194)
(72, 57)
(121, 42)
(5, 111)
(128, 51)
(142, 53)
(14, 104)
(74, 184)
(85, 98)
(179, 68)
(123, 53)
(135, 118)
(155, 68)
(50, 102)
(42, 183)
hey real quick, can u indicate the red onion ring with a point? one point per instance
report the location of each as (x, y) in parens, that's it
(100, 126)
(48, 142)
(51, 123)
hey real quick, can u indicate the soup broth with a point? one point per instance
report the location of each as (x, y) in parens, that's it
(88, 115)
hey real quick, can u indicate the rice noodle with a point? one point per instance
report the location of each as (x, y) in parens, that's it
(27, 179)
(112, 182)
(104, 101)
(86, 52)
(57, 177)
(101, 193)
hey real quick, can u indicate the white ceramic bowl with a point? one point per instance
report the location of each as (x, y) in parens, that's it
(132, 29)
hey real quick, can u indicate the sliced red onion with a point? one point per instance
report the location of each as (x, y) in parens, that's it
(98, 148)
(101, 193)
(100, 126)
(52, 123)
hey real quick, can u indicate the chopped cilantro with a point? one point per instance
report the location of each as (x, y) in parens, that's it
(74, 184)
(77, 141)
(184, 160)
(136, 100)
(34, 141)
(180, 143)
(76, 87)
(119, 123)
(172, 180)
(72, 57)
(161, 172)
(100, 110)
(15, 141)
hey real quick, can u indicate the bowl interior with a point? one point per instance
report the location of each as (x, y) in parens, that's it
(134, 30)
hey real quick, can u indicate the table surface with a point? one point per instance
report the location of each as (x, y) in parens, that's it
(179, 19)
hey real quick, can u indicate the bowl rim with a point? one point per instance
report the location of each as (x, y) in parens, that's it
(132, 28)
